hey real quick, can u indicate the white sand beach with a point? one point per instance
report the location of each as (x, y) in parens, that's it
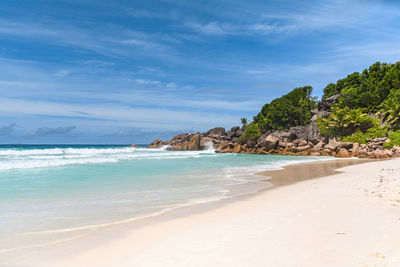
(346, 219)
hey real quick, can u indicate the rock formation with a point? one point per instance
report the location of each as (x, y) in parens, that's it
(299, 140)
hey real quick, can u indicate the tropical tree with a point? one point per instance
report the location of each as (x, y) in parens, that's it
(243, 121)
(391, 109)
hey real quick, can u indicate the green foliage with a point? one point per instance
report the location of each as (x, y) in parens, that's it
(394, 140)
(390, 109)
(362, 137)
(336, 88)
(345, 121)
(292, 109)
(367, 90)
(243, 121)
(252, 132)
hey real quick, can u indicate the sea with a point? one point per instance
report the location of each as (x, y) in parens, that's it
(52, 192)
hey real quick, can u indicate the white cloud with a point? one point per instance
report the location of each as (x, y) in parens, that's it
(143, 81)
(171, 85)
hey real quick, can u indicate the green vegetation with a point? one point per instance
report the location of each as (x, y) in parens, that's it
(366, 90)
(366, 101)
(362, 137)
(345, 121)
(368, 107)
(390, 109)
(252, 132)
(243, 121)
(394, 140)
(292, 109)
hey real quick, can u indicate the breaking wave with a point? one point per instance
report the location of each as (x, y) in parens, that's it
(38, 158)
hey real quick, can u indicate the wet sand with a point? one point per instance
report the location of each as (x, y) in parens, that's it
(301, 172)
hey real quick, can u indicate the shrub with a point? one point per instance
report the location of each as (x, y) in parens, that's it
(345, 121)
(366, 90)
(292, 109)
(252, 132)
(394, 140)
(362, 137)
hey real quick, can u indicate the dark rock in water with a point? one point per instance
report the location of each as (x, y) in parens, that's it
(156, 144)
(216, 131)
(194, 142)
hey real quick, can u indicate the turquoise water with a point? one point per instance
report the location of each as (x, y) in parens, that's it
(65, 189)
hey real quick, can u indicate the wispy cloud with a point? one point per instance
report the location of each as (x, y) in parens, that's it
(45, 131)
(7, 130)
(143, 81)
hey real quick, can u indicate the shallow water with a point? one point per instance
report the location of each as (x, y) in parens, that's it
(49, 191)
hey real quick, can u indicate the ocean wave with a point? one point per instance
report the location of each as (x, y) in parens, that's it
(39, 158)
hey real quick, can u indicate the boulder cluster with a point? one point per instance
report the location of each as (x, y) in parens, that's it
(299, 140)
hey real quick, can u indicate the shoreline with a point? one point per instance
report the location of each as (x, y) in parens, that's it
(114, 233)
(330, 221)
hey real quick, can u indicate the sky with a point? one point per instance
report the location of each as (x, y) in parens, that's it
(125, 71)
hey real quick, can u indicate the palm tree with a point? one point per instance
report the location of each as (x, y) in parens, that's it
(244, 122)
(391, 111)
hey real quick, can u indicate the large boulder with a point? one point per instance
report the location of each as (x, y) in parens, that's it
(234, 132)
(279, 134)
(343, 153)
(396, 151)
(299, 132)
(216, 131)
(346, 145)
(194, 142)
(318, 147)
(313, 134)
(300, 148)
(238, 148)
(332, 145)
(156, 144)
(327, 103)
(355, 151)
(268, 143)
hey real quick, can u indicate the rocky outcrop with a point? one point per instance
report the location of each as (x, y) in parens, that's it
(219, 131)
(156, 144)
(299, 140)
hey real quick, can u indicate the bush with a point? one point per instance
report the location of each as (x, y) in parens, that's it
(292, 109)
(346, 121)
(394, 140)
(252, 132)
(361, 138)
(366, 90)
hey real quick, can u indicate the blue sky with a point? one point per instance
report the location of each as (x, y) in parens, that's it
(96, 71)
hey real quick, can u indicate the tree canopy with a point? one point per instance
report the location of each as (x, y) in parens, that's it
(292, 109)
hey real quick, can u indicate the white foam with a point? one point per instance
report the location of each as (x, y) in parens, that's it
(38, 158)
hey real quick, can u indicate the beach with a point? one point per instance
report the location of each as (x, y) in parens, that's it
(349, 218)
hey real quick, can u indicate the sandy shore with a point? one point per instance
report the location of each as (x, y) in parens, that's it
(350, 218)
